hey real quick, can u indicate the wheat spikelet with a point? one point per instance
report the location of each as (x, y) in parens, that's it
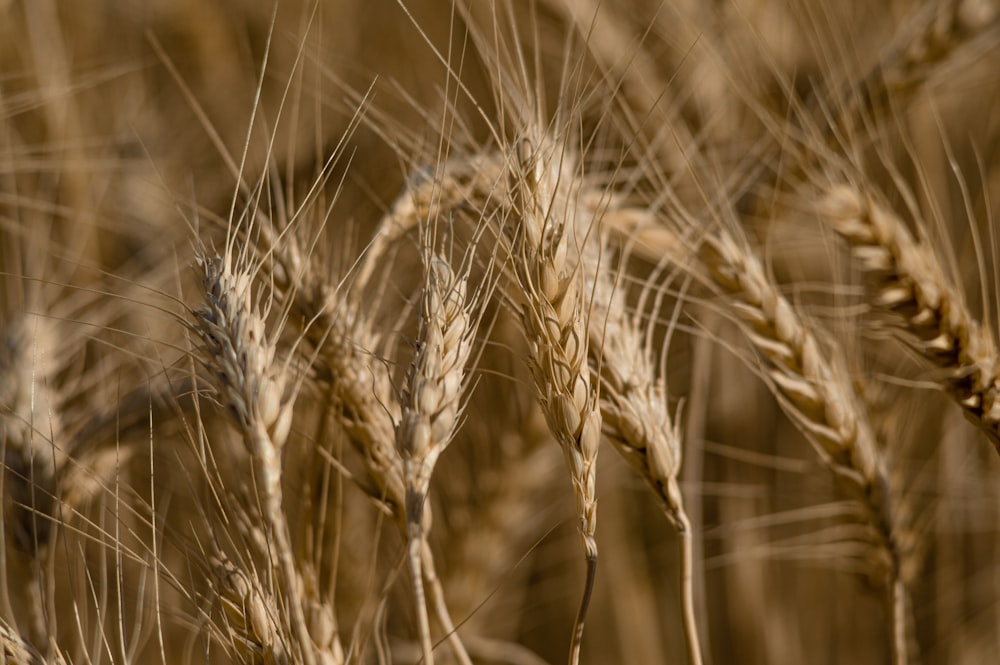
(250, 615)
(912, 284)
(14, 650)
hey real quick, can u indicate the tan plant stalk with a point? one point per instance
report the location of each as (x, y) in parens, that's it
(911, 282)
(432, 403)
(815, 391)
(637, 421)
(555, 317)
(236, 347)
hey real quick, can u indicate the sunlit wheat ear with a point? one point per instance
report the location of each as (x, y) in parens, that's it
(814, 389)
(432, 402)
(554, 314)
(636, 418)
(237, 350)
(911, 283)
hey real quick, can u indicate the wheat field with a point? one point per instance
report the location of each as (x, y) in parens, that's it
(499, 331)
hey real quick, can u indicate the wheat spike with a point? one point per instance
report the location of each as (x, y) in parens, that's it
(818, 397)
(236, 347)
(555, 317)
(431, 404)
(912, 284)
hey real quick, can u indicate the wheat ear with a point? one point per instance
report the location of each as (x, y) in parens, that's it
(431, 405)
(912, 284)
(815, 392)
(555, 318)
(236, 348)
(637, 422)
(362, 393)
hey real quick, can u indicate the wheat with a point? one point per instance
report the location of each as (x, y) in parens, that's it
(820, 400)
(930, 39)
(555, 318)
(250, 614)
(600, 214)
(15, 650)
(911, 283)
(237, 348)
(432, 403)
